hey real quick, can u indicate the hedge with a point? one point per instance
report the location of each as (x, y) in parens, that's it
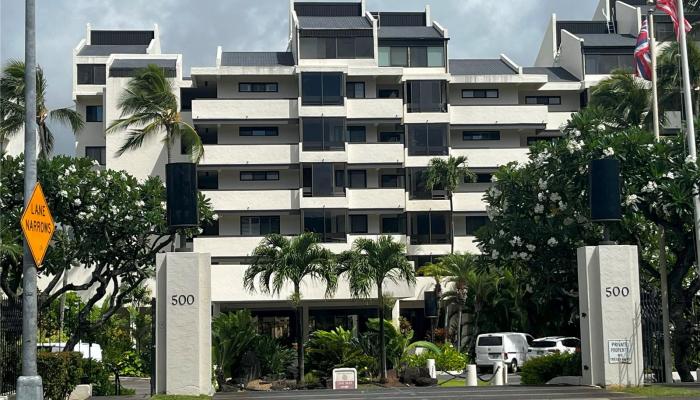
(540, 370)
(60, 373)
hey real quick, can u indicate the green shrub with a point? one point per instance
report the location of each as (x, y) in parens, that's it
(311, 379)
(232, 335)
(450, 359)
(327, 350)
(131, 364)
(418, 360)
(60, 372)
(540, 370)
(274, 358)
(98, 375)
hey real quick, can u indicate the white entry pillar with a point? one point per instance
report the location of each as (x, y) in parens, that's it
(183, 324)
(609, 303)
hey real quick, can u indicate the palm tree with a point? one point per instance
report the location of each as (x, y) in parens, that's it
(12, 106)
(149, 107)
(278, 260)
(368, 265)
(459, 268)
(626, 98)
(670, 81)
(448, 174)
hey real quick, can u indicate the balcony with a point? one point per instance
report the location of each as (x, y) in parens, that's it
(253, 200)
(338, 201)
(227, 246)
(493, 157)
(466, 244)
(383, 199)
(374, 109)
(273, 154)
(375, 153)
(470, 202)
(420, 204)
(244, 110)
(428, 249)
(534, 116)
(557, 119)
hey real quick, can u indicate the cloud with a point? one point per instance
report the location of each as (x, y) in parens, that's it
(477, 28)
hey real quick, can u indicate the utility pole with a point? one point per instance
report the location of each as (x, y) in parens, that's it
(29, 385)
(666, 320)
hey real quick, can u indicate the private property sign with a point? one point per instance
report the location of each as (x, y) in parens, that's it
(344, 379)
(619, 351)
(37, 224)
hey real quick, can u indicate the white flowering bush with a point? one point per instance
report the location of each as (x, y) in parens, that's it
(548, 211)
(118, 226)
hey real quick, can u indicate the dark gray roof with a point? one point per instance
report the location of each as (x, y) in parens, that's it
(607, 40)
(554, 74)
(409, 32)
(105, 50)
(334, 23)
(480, 67)
(257, 59)
(143, 63)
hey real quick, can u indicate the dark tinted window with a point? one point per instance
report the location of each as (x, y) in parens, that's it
(575, 343)
(257, 87)
(358, 224)
(355, 90)
(419, 57)
(398, 57)
(481, 135)
(490, 341)
(543, 100)
(322, 88)
(96, 153)
(534, 139)
(357, 134)
(258, 131)
(207, 180)
(210, 228)
(390, 137)
(480, 93)
(474, 223)
(389, 93)
(427, 140)
(357, 178)
(336, 47)
(543, 343)
(482, 177)
(93, 114)
(91, 74)
(260, 176)
(323, 134)
(426, 96)
(208, 135)
(260, 226)
(607, 63)
(393, 224)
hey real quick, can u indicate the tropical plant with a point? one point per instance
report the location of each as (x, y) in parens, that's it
(457, 268)
(448, 174)
(540, 370)
(149, 107)
(539, 217)
(12, 107)
(338, 349)
(627, 99)
(670, 80)
(398, 344)
(278, 261)
(368, 265)
(232, 335)
(274, 357)
(450, 359)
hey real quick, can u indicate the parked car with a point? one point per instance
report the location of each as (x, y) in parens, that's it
(509, 347)
(553, 344)
(88, 350)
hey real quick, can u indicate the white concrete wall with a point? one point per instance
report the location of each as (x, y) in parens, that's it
(375, 153)
(571, 56)
(240, 109)
(227, 87)
(629, 19)
(495, 115)
(253, 200)
(548, 48)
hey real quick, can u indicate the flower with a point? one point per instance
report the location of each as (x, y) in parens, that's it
(494, 192)
(539, 209)
(494, 178)
(81, 215)
(568, 221)
(140, 203)
(77, 202)
(609, 152)
(516, 241)
(649, 187)
(574, 146)
(576, 132)
(562, 206)
(555, 196)
(91, 208)
(601, 127)
(524, 255)
(63, 193)
(551, 242)
(670, 175)
(631, 200)
(531, 247)
(162, 205)
(215, 217)
(542, 184)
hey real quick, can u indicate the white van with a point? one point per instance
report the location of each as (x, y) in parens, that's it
(509, 347)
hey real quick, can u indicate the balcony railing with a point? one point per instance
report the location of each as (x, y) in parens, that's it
(520, 115)
(245, 109)
(239, 154)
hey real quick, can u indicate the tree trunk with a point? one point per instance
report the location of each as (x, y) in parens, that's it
(459, 329)
(452, 226)
(682, 338)
(168, 132)
(300, 344)
(382, 344)
(73, 340)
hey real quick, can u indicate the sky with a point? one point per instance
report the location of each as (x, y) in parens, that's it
(194, 28)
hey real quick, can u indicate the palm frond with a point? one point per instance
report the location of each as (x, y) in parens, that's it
(68, 117)
(191, 140)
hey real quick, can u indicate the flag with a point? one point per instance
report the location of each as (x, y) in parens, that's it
(642, 53)
(670, 7)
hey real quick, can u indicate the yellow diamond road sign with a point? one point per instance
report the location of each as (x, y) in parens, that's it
(37, 224)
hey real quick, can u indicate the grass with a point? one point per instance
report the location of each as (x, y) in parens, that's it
(179, 397)
(459, 382)
(660, 391)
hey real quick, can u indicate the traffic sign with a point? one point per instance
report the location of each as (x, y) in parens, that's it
(37, 224)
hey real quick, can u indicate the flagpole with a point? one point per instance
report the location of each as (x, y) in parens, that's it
(666, 319)
(689, 122)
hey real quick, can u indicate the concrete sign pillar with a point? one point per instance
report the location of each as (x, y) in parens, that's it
(183, 324)
(610, 307)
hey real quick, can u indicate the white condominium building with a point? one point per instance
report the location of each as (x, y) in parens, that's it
(333, 135)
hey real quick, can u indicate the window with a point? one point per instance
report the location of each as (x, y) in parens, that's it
(322, 88)
(328, 224)
(357, 134)
(429, 228)
(398, 56)
(413, 56)
(93, 114)
(96, 153)
(207, 180)
(543, 100)
(469, 136)
(418, 185)
(260, 226)
(482, 177)
(323, 134)
(418, 57)
(260, 176)
(91, 74)
(606, 63)
(426, 96)
(357, 178)
(358, 224)
(323, 180)
(475, 222)
(427, 140)
(210, 228)
(336, 47)
(391, 178)
(258, 87)
(534, 139)
(355, 90)
(436, 56)
(258, 131)
(390, 137)
(388, 93)
(480, 93)
(490, 341)
(208, 135)
(393, 224)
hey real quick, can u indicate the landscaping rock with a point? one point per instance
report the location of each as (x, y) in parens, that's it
(410, 375)
(258, 385)
(426, 381)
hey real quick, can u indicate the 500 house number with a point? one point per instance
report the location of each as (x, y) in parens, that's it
(182, 300)
(617, 291)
